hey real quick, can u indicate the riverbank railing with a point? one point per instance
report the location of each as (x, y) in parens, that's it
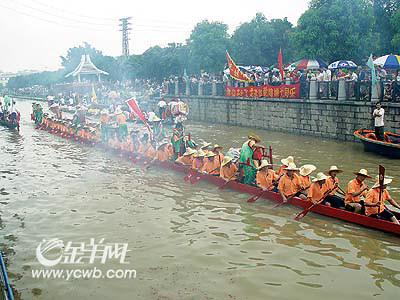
(337, 90)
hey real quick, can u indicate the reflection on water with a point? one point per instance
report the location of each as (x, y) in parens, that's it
(186, 241)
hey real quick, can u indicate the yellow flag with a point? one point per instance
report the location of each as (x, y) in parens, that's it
(94, 97)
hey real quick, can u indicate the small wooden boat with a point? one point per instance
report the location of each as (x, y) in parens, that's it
(11, 125)
(319, 209)
(390, 147)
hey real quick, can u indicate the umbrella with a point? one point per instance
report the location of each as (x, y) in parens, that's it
(388, 61)
(306, 64)
(342, 64)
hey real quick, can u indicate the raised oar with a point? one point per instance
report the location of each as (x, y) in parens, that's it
(307, 210)
(195, 179)
(381, 180)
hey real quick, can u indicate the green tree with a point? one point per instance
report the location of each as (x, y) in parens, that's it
(207, 45)
(337, 29)
(258, 42)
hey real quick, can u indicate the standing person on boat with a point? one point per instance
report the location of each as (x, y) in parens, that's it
(122, 127)
(187, 157)
(158, 128)
(304, 178)
(317, 189)
(104, 120)
(161, 108)
(285, 163)
(266, 177)
(39, 113)
(198, 160)
(332, 183)
(375, 204)
(378, 115)
(246, 156)
(177, 140)
(228, 169)
(355, 189)
(288, 183)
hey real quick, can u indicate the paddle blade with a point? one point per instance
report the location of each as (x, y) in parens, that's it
(381, 174)
(301, 215)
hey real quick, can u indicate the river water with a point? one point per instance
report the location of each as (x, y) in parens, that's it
(185, 241)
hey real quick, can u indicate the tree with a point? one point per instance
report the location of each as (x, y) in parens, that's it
(337, 29)
(207, 44)
(258, 42)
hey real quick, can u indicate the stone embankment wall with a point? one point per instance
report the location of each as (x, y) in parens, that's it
(321, 118)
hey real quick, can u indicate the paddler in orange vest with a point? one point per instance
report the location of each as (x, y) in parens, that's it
(162, 153)
(205, 147)
(104, 120)
(288, 183)
(304, 178)
(375, 208)
(150, 149)
(355, 189)
(198, 160)
(266, 177)
(332, 183)
(219, 157)
(318, 188)
(187, 157)
(228, 169)
(285, 162)
(211, 166)
(122, 127)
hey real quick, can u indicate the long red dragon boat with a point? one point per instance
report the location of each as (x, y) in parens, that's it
(319, 209)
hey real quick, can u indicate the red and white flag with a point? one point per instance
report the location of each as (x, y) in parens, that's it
(135, 108)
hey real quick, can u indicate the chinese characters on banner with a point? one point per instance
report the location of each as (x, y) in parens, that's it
(290, 91)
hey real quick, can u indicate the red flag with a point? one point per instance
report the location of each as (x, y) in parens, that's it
(135, 108)
(235, 71)
(280, 64)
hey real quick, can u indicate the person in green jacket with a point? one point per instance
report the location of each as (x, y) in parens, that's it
(177, 140)
(246, 161)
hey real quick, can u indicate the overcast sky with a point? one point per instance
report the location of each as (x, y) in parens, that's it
(35, 33)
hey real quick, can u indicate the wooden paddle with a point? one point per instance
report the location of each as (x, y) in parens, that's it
(381, 181)
(307, 210)
(195, 179)
(226, 183)
(188, 175)
(255, 197)
(283, 202)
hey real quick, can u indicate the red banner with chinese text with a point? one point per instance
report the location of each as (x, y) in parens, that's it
(289, 91)
(235, 71)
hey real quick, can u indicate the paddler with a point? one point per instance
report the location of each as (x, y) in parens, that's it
(143, 143)
(219, 157)
(205, 146)
(157, 127)
(187, 157)
(304, 178)
(288, 183)
(375, 204)
(356, 189)
(246, 163)
(285, 162)
(211, 165)
(332, 183)
(104, 120)
(318, 188)
(162, 153)
(228, 169)
(198, 160)
(151, 149)
(266, 177)
(177, 140)
(122, 127)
